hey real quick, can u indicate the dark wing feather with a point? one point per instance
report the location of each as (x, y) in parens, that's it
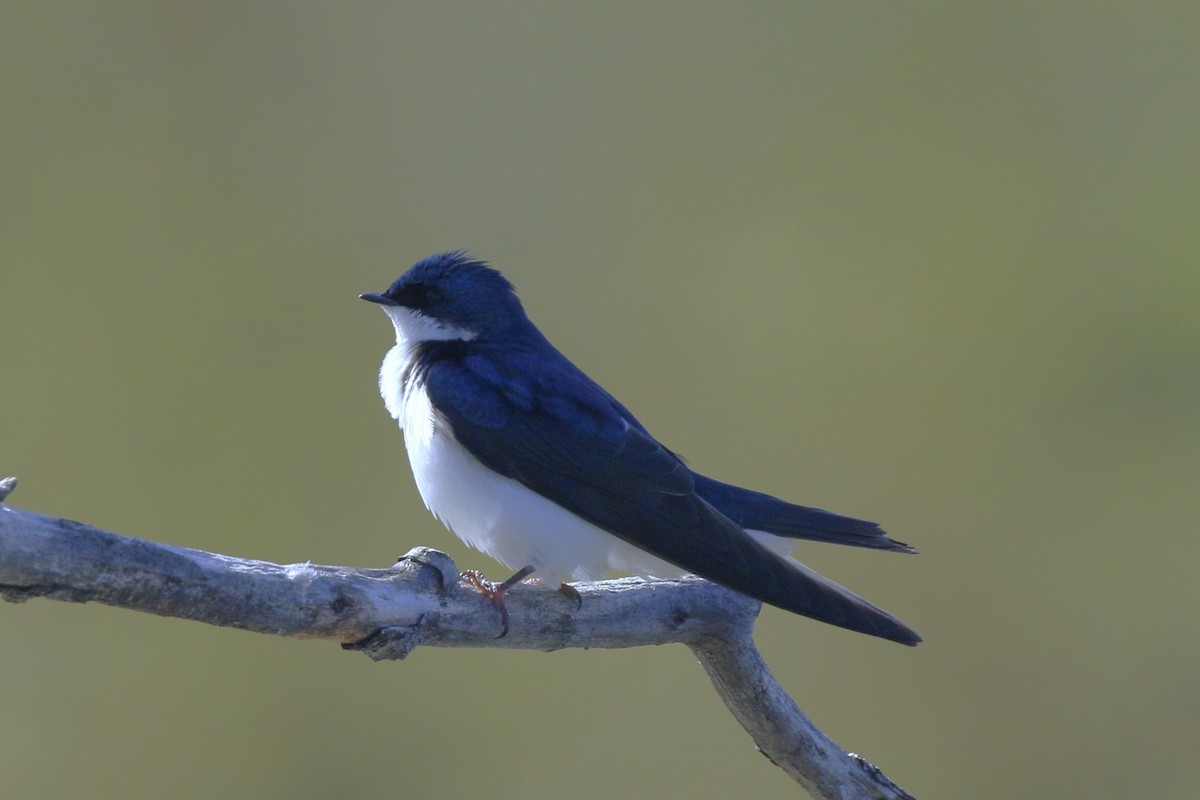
(762, 512)
(565, 438)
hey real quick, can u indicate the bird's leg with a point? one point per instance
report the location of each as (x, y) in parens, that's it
(496, 591)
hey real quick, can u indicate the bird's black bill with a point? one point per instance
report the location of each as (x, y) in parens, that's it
(376, 297)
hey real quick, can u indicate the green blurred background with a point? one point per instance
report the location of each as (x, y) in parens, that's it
(933, 264)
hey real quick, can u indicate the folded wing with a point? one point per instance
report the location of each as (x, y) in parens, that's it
(565, 438)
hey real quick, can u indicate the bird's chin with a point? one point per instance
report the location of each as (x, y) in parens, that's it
(414, 328)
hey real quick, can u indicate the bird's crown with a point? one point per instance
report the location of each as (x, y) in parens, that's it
(457, 289)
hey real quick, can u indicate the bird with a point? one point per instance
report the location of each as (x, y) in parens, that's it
(527, 459)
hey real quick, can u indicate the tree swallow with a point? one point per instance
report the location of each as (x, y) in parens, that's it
(526, 458)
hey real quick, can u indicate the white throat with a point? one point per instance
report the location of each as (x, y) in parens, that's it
(413, 327)
(412, 330)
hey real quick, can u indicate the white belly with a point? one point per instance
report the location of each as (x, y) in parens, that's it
(498, 515)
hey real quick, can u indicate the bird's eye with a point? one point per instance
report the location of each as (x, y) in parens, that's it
(420, 296)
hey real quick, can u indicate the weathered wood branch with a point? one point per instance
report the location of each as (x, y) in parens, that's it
(420, 601)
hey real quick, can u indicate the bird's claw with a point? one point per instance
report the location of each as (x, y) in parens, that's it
(571, 593)
(496, 591)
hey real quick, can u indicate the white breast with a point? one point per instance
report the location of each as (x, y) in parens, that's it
(495, 514)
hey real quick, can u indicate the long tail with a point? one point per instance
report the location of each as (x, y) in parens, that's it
(761, 512)
(696, 537)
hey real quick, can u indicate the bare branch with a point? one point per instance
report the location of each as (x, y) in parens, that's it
(781, 730)
(387, 612)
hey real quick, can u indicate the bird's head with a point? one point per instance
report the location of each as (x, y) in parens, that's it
(450, 296)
